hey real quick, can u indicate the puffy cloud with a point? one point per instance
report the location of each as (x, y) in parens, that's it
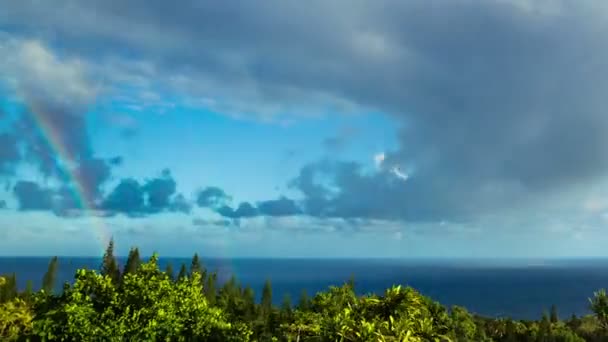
(159, 191)
(279, 207)
(155, 195)
(499, 101)
(31, 196)
(244, 210)
(212, 197)
(127, 197)
(9, 153)
(204, 222)
(180, 204)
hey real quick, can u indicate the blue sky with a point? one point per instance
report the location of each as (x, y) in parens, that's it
(465, 129)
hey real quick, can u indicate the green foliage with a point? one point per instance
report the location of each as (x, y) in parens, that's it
(599, 306)
(196, 266)
(266, 303)
(147, 304)
(209, 288)
(554, 318)
(169, 271)
(15, 320)
(48, 281)
(8, 287)
(133, 261)
(183, 272)
(109, 265)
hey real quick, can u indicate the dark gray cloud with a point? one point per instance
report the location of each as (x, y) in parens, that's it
(212, 197)
(244, 210)
(279, 207)
(497, 100)
(3, 204)
(155, 195)
(204, 222)
(159, 191)
(9, 153)
(32, 196)
(180, 204)
(127, 197)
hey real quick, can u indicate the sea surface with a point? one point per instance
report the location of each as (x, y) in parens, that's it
(521, 289)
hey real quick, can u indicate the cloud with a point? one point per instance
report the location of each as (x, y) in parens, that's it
(203, 222)
(55, 93)
(212, 197)
(31, 196)
(279, 207)
(9, 153)
(127, 197)
(499, 102)
(155, 195)
(159, 191)
(244, 210)
(180, 204)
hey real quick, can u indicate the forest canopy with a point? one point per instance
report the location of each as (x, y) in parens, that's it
(140, 302)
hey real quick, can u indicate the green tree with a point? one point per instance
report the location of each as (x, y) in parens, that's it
(599, 306)
(169, 271)
(109, 265)
(133, 261)
(183, 272)
(554, 317)
(209, 288)
(286, 314)
(196, 265)
(148, 306)
(28, 293)
(266, 302)
(304, 302)
(16, 320)
(8, 288)
(48, 281)
(544, 329)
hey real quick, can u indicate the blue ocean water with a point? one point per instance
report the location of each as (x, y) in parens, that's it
(520, 289)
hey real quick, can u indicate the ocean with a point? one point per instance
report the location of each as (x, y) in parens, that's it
(521, 289)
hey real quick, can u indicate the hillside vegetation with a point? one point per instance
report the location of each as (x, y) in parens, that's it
(143, 303)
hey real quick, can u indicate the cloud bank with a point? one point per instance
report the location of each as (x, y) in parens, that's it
(498, 102)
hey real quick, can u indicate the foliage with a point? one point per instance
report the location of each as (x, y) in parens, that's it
(109, 265)
(48, 281)
(15, 320)
(133, 261)
(147, 304)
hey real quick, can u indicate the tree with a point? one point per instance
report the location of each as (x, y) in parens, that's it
(544, 329)
(286, 314)
(133, 261)
(209, 288)
(554, 317)
(145, 307)
(8, 288)
(599, 306)
(48, 281)
(195, 265)
(183, 272)
(169, 271)
(109, 265)
(304, 303)
(28, 292)
(266, 302)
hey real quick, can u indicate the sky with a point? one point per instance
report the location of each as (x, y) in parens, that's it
(465, 128)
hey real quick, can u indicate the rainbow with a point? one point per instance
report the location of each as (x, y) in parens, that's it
(82, 197)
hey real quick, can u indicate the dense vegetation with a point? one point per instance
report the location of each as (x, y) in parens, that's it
(142, 303)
